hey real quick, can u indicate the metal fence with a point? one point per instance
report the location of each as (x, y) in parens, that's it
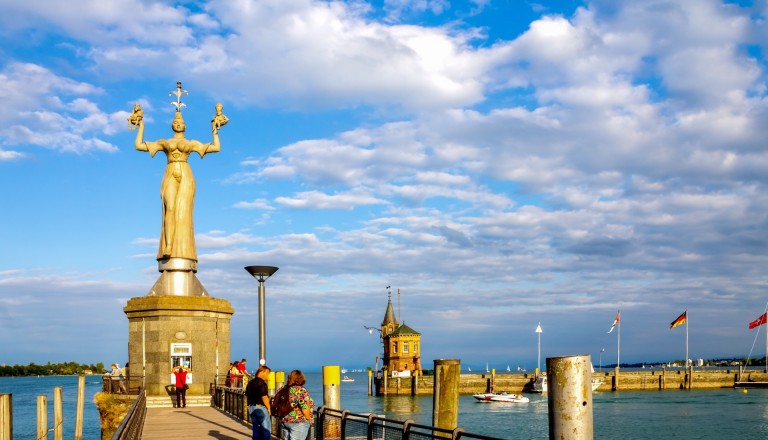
(133, 422)
(333, 424)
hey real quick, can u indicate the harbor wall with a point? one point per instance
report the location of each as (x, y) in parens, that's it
(672, 379)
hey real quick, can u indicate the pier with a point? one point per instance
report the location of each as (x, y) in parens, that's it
(193, 422)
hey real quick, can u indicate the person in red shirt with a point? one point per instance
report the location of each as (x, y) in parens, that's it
(181, 387)
(241, 372)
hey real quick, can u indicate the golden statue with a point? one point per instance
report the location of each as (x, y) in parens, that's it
(177, 190)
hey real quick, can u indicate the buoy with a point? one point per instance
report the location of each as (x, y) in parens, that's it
(744, 390)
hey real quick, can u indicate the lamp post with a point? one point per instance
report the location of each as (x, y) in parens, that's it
(601, 359)
(381, 339)
(261, 273)
(538, 363)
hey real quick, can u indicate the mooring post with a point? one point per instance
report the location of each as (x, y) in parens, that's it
(570, 397)
(80, 404)
(58, 415)
(445, 397)
(279, 379)
(42, 416)
(332, 398)
(370, 382)
(386, 383)
(6, 416)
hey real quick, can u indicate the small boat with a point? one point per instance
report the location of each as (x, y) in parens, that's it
(508, 369)
(501, 397)
(540, 384)
(347, 379)
(343, 370)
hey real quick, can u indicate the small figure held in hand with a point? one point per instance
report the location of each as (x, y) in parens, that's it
(219, 120)
(136, 117)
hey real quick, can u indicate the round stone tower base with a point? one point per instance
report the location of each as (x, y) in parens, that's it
(195, 327)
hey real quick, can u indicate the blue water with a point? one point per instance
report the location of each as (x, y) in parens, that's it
(25, 391)
(699, 414)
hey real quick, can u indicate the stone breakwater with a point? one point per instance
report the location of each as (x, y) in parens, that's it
(670, 379)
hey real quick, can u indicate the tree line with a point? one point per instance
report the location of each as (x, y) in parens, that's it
(49, 369)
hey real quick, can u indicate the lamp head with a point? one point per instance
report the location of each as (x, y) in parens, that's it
(261, 273)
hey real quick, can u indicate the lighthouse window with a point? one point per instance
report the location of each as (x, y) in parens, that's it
(394, 347)
(405, 347)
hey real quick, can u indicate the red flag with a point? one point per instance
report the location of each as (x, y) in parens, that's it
(680, 320)
(759, 321)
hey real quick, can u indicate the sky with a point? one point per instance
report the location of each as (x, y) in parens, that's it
(500, 164)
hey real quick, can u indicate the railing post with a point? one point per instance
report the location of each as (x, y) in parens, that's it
(6, 416)
(42, 416)
(570, 397)
(445, 397)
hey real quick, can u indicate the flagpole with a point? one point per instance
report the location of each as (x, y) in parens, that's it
(618, 347)
(689, 368)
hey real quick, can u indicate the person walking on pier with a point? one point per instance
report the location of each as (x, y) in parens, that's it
(257, 395)
(181, 387)
(295, 425)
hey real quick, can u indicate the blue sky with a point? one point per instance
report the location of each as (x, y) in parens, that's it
(502, 163)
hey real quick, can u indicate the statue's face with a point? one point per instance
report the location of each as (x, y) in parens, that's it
(178, 126)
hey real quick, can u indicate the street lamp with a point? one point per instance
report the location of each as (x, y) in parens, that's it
(601, 359)
(370, 330)
(261, 273)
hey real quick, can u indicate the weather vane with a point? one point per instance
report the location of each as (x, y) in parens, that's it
(178, 92)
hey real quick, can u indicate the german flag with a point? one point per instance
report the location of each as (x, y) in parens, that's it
(680, 320)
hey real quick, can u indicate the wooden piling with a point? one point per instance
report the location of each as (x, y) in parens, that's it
(445, 398)
(6, 416)
(569, 385)
(58, 415)
(80, 405)
(42, 416)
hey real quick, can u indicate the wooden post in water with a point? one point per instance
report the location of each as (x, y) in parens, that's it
(332, 398)
(445, 397)
(370, 382)
(569, 385)
(58, 415)
(414, 382)
(386, 383)
(6, 416)
(80, 404)
(42, 416)
(615, 383)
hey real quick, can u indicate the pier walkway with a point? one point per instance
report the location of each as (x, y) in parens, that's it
(193, 422)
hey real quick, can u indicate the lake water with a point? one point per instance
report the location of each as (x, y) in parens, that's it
(699, 414)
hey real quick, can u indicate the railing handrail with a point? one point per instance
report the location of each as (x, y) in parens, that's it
(372, 421)
(133, 423)
(406, 427)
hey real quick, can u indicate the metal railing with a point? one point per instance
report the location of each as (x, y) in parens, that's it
(332, 424)
(133, 422)
(232, 401)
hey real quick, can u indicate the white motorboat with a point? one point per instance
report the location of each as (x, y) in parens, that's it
(540, 384)
(501, 397)
(347, 379)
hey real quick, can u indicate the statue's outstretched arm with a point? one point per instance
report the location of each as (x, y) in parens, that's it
(140, 144)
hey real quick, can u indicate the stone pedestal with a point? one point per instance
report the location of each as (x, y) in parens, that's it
(157, 322)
